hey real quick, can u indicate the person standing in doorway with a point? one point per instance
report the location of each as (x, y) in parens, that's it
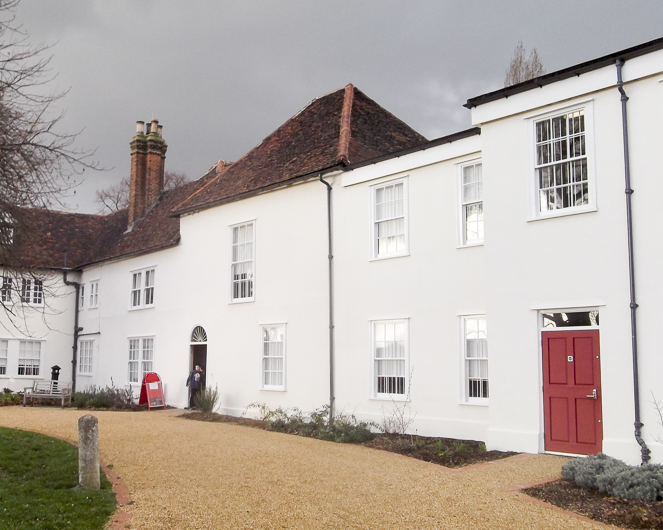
(194, 382)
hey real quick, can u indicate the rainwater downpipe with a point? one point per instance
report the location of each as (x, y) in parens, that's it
(330, 259)
(644, 451)
(77, 330)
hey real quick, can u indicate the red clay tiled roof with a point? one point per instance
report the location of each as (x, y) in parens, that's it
(49, 236)
(337, 129)
(88, 239)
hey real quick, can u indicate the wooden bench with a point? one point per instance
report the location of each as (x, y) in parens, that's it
(48, 390)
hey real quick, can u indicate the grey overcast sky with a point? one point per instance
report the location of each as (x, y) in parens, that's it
(220, 75)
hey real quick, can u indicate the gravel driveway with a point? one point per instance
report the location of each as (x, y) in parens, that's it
(185, 474)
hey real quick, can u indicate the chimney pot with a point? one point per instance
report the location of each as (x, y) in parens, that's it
(160, 130)
(140, 127)
(154, 127)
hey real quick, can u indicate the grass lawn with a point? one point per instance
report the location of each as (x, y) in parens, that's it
(38, 477)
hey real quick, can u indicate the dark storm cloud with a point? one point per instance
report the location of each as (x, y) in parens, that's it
(221, 75)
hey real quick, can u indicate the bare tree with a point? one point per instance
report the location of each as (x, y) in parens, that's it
(37, 163)
(522, 67)
(116, 196)
(37, 160)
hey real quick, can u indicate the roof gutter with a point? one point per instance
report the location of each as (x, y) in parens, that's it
(644, 451)
(572, 71)
(265, 189)
(77, 330)
(474, 131)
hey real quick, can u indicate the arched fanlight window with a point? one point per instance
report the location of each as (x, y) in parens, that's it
(199, 334)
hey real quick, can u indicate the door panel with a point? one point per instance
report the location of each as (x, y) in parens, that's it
(571, 373)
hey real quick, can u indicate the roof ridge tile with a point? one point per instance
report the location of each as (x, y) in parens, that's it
(344, 135)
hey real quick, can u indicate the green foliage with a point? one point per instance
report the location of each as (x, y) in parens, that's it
(7, 397)
(344, 429)
(38, 479)
(111, 397)
(616, 478)
(347, 429)
(207, 399)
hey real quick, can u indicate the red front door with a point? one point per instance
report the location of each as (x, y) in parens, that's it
(572, 392)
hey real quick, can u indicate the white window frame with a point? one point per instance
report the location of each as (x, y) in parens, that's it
(141, 358)
(4, 357)
(32, 291)
(93, 301)
(142, 288)
(463, 241)
(377, 219)
(238, 261)
(404, 370)
(466, 359)
(273, 353)
(81, 297)
(85, 356)
(535, 212)
(7, 290)
(26, 358)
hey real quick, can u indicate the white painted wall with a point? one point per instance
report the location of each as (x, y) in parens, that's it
(431, 287)
(573, 261)
(52, 324)
(192, 289)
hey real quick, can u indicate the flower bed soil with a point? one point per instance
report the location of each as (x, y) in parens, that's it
(598, 506)
(446, 452)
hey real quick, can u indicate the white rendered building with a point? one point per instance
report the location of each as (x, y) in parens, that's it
(482, 283)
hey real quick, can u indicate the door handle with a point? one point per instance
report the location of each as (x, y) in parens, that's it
(593, 394)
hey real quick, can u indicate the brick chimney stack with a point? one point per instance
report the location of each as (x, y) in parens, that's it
(148, 154)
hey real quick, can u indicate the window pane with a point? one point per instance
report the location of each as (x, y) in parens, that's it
(29, 353)
(562, 162)
(389, 343)
(476, 355)
(273, 363)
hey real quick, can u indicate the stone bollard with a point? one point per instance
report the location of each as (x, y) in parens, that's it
(88, 453)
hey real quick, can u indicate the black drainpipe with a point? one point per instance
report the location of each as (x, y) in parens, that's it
(645, 452)
(330, 258)
(77, 330)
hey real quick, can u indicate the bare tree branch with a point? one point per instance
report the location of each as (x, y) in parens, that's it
(37, 160)
(522, 67)
(116, 196)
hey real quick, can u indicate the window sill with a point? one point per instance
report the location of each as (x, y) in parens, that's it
(563, 212)
(273, 389)
(242, 301)
(471, 245)
(390, 397)
(141, 307)
(390, 256)
(482, 403)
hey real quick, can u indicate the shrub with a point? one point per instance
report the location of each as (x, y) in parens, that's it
(345, 428)
(615, 478)
(7, 397)
(102, 398)
(207, 399)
